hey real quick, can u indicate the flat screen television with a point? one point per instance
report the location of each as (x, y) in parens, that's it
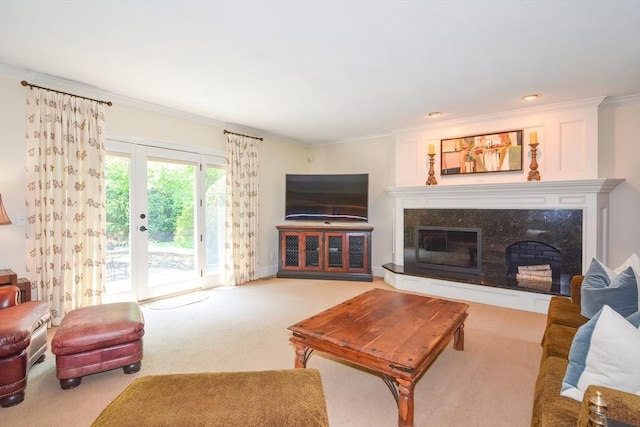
(328, 197)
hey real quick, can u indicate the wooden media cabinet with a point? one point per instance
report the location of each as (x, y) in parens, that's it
(336, 252)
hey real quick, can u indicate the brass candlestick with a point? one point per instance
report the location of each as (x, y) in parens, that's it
(431, 180)
(534, 175)
(597, 410)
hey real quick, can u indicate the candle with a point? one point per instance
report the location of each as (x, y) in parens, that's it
(432, 149)
(533, 138)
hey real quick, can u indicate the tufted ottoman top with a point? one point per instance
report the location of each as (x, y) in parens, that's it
(98, 326)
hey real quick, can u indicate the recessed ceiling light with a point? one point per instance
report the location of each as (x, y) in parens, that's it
(434, 114)
(531, 97)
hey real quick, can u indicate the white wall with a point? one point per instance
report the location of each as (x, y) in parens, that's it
(12, 172)
(619, 151)
(276, 160)
(139, 124)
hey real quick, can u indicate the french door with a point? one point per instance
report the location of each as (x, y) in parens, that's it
(165, 219)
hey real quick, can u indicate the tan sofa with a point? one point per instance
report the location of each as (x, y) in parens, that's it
(550, 409)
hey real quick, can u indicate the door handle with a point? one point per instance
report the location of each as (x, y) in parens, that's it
(143, 228)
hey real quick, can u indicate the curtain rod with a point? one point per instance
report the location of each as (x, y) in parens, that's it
(31, 85)
(240, 134)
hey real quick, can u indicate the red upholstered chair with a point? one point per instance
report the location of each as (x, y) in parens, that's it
(23, 342)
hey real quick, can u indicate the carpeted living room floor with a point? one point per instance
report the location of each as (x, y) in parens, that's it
(244, 328)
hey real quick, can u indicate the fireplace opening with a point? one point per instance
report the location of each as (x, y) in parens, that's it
(449, 248)
(530, 254)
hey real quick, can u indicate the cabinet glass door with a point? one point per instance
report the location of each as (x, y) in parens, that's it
(291, 246)
(335, 251)
(312, 250)
(357, 251)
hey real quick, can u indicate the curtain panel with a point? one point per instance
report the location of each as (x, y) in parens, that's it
(65, 200)
(241, 213)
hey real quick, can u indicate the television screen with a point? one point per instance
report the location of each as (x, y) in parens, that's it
(327, 197)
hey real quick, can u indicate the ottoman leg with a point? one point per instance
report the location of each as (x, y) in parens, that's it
(12, 399)
(133, 368)
(69, 383)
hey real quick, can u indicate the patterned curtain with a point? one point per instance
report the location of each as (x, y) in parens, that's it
(241, 222)
(65, 200)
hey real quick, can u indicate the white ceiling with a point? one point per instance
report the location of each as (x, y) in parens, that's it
(326, 71)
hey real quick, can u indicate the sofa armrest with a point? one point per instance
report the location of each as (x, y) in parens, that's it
(9, 296)
(576, 289)
(622, 406)
(17, 327)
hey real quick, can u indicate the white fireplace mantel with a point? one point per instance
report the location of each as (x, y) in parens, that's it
(590, 195)
(535, 188)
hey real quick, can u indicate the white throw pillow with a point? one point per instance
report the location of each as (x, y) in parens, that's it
(605, 351)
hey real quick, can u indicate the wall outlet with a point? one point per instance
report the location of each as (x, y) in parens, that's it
(272, 256)
(21, 218)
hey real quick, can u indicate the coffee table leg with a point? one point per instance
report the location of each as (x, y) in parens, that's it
(302, 354)
(405, 403)
(458, 338)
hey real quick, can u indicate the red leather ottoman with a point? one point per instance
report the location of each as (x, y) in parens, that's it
(96, 339)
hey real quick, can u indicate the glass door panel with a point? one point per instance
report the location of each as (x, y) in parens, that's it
(171, 200)
(215, 182)
(169, 225)
(118, 260)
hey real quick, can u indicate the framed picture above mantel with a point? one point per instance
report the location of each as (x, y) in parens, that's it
(494, 152)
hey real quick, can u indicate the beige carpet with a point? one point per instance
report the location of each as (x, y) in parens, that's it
(244, 328)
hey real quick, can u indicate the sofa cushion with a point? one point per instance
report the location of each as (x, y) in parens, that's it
(602, 286)
(564, 312)
(550, 409)
(557, 341)
(605, 351)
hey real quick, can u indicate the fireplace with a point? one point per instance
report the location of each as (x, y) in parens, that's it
(570, 216)
(486, 246)
(532, 253)
(449, 248)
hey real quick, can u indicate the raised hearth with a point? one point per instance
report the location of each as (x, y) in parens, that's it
(502, 282)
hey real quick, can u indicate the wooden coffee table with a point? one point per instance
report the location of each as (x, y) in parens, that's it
(396, 334)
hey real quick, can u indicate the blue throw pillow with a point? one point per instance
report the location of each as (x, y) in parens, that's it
(603, 286)
(605, 351)
(634, 319)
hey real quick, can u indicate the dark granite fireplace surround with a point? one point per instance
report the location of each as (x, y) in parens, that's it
(556, 232)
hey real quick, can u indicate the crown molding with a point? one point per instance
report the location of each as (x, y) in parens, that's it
(620, 101)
